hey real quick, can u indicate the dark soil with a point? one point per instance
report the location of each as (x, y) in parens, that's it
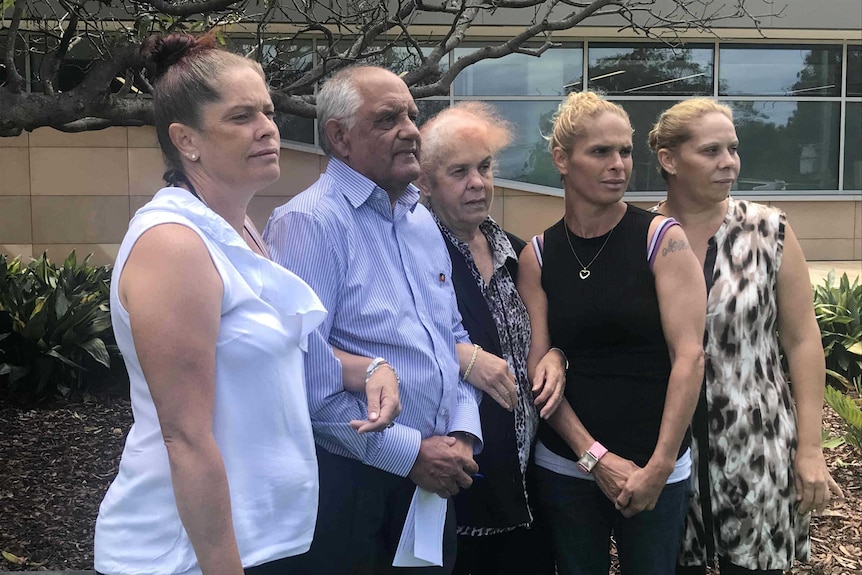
(55, 465)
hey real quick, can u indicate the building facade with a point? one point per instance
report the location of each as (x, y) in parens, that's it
(795, 86)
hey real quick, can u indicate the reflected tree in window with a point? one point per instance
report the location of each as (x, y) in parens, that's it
(787, 145)
(651, 69)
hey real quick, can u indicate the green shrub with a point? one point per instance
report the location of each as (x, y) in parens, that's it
(53, 322)
(850, 411)
(839, 315)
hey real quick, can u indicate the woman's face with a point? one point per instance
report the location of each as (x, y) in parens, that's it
(600, 164)
(461, 188)
(238, 143)
(705, 166)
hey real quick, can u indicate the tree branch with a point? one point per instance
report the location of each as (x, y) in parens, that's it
(54, 64)
(14, 81)
(190, 8)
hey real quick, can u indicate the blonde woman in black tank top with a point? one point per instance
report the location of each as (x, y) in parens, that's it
(620, 293)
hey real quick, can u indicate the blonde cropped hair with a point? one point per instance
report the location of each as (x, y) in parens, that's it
(439, 132)
(673, 126)
(570, 121)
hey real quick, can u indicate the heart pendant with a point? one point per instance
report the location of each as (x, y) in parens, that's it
(584, 273)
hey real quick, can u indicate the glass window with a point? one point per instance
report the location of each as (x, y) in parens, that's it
(791, 71)
(788, 145)
(853, 147)
(527, 158)
(651, 69)
(295, 128)
(429, 108)
(854, 71)
(643, 115)
(71, 70)
(283, 63)
(18, 58)
(554, 74)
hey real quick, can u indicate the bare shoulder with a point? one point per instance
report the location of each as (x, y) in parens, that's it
(673, 242)
(169, 258)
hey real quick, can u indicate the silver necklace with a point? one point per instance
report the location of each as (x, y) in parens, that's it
(585, 269)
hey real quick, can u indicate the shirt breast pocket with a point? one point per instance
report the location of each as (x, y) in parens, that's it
(441, 300)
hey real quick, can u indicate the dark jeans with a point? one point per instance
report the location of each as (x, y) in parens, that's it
(581, 520)
(359, 521)
(518, 552)
(725, 568)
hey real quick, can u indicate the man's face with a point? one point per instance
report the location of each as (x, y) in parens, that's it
(383, 145)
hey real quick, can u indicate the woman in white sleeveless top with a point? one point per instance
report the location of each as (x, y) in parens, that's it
(219, 472)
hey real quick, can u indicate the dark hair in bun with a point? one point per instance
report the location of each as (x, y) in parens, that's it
(185, 71)
(160, 53)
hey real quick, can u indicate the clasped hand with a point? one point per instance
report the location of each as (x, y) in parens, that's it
(444, 466)
(631, 488)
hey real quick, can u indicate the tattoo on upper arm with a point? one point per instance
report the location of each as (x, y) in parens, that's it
(674, 246)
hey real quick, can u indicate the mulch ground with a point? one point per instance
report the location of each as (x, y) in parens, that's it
(55, 465)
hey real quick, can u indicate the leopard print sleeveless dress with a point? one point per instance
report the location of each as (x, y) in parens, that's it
(744, 503)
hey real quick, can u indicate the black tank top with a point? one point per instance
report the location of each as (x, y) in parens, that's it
(609, 326)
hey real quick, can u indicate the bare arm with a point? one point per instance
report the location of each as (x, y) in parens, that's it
(384, 403)
(681, 293)
(800, 338)
(173, 293)
(546, 367)
(612, 471)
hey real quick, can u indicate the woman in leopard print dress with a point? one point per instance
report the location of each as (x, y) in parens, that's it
(756, 449)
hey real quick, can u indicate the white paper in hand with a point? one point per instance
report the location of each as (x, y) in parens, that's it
(421, 543)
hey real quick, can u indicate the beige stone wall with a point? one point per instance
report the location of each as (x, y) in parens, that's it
(60, 192)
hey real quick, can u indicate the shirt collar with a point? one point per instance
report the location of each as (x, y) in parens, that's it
(358, 189)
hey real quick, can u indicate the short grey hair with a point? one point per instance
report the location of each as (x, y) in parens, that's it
(339, 100)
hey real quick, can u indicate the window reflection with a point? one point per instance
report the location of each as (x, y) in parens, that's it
(854, 71)
(643, 115)
(521, 75)
(787, 145)
(853, 147)
(791, 71)
(429, 108)
(19, 58)
(644, 69)
(527, 158)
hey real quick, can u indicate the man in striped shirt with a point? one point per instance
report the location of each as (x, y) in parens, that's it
(378, 262)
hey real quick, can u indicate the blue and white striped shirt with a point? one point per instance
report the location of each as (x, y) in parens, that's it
(385, 277)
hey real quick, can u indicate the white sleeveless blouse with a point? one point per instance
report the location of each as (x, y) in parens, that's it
(261, 422)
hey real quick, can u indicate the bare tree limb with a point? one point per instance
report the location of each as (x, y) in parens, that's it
(14, 81)
(54, 64)
(190, 8)
(346, 32)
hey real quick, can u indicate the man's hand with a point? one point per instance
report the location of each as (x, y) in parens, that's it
(384, 403)
(444, 465)
(611, 473)
(549, 382)
(491, 374)
(642, 490)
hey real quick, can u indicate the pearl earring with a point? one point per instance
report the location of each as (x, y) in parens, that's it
(193, 157)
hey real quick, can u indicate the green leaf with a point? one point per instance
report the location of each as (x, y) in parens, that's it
(832, 442)
(57, 355)
(97, 350)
